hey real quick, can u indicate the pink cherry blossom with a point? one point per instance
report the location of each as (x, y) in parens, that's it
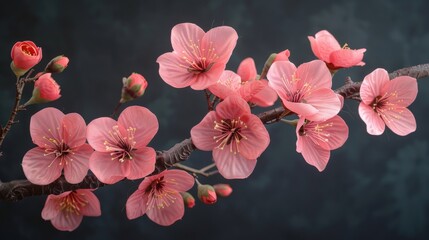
(305, 90)
(385, 102)
(61, 145)
(245, 84)
(66, 211)
(316, 139)
(120, 146)
(159, 197)
(327, 49)
(198, 58)
(236, 137)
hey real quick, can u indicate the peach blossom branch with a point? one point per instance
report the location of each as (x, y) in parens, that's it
(19, 189)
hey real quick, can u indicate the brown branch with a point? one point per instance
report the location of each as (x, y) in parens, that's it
(19, 189)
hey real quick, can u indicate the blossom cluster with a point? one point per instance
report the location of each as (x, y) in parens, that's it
(114, 150)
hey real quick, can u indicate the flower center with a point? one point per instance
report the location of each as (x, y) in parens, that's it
(120, 147)
(28, 50)
(230, 133)
(72, 203)
(158, 195)
(198, 60)
(57, 148)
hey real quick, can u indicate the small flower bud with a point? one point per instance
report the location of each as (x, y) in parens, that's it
(223, 190)
(45, 90)
(188, 199)
(25, 55)
(282, 56)
(207, 194)
(134, 87)
(57, 64)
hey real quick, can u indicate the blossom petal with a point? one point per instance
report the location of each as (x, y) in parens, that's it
(346, 58)
(265, 97)
(50, 209)
(402, 91)
(184, 35)
(74, 130)
(323, 45)
(302, 109)
(66, 221)
(374, 124)
(313, 75)
(219, 42)
(98, 131)
(106, 170)
(206, 79)
(174, 70)
(92, 208)
(247, 69)
(142, 164)
(232, 107)
(202, 134)
(280, 78)
(136, 204)
(373, 84)
(401, 121)
(334, 132)
(77, 164)
(168, 214)
(250, 88)
(143, 121)
(39, 168)
(178, 180)
(228, 84)
(46, 124)
(313, 153)
(255, 138)
(233, 166)
(326, 101)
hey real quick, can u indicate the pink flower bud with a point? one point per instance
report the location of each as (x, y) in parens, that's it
(188, 199)
(223, 190)
(45, 90)
(282, 56)
(25, 55)
(57, 64)
(134, 87)
(207, 194)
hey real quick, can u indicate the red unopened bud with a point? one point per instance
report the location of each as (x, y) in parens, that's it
(57, 64)
(45, 90)
(223, 190)
(188, 199)
(134, 87)
(207, 194)
(25, 55)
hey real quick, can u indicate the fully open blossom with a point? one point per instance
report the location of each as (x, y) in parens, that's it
(327, 49)
(60, 141)
(25, 55)
(305, 90)
(66, 211)
(121, 146)
(236, 137)
(198, 58)
(158, 196)
(385, 102)
(46, 89)
(245, 84)
(316, 139)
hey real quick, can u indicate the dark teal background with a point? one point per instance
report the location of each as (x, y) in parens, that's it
(372, 188)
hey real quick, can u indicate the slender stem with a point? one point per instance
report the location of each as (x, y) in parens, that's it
(190, 169)
(116, 109)
(20, 83)
(208, 167)
(210, 103)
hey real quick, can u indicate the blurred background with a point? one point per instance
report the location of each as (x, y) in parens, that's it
(372, 188)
